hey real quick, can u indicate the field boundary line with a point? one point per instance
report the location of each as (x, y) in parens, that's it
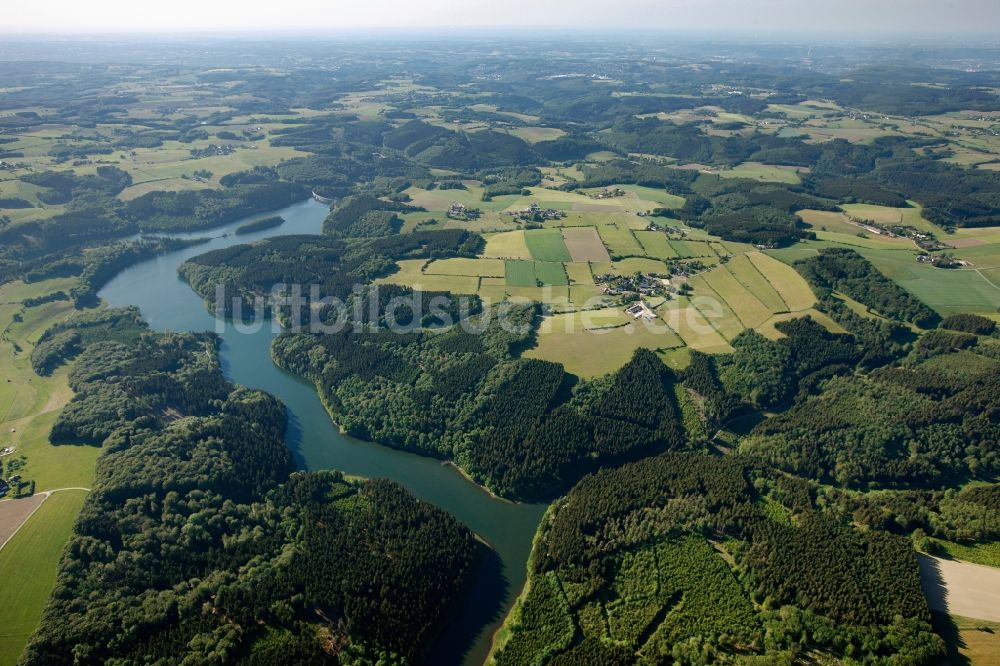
(756, 268)
(712, 323)
(24, 522)
(979, 272)
(729, 305)
(45, 496)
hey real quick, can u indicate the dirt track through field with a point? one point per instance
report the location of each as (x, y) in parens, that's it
(961, 588)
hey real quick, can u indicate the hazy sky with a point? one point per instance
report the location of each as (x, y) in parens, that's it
(885, 16)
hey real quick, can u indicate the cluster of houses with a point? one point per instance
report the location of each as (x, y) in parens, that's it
(459, 211)
(213, 150)
(535, 213)
(608, 193)
(10, 166)
(923, 239)
(653, 226)
(861, 115)
(12, 482)
(648, 284)
(943, 260)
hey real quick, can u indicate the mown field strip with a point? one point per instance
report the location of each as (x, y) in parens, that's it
(584, 244)
(656, 245)
(547, 245)
(468, 267)
(695, 330)
(961, 588)
(32, 555)
(750, 311)
(728, 325)
(507, 245)
(579, 273)
(620, 242)
(747, 274)
(791, 286)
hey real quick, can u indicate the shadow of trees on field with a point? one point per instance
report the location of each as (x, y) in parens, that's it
(932, 583)
(946, 628)
(937, 598)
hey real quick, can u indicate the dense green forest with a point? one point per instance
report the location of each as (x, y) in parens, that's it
(261, 224)
(932, 420)
(195, 545)
(692, 559)
(518, 426)
(65, 340)
(333, 265)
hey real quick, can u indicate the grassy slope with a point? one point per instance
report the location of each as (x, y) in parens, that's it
(32, 556)
(29, 405)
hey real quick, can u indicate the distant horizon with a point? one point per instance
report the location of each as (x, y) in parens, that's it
(846, 20)
(981, 39)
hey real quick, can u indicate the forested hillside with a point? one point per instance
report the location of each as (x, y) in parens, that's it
(693, 559)
(515, 425)
(333, 265)
(195, 545)
(846, 271)
(931, 421)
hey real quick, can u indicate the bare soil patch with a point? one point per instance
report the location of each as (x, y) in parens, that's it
(584, 244)
(961, 588)
(13, 513)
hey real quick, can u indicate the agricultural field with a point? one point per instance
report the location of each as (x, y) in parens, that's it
(471, 196)
(584, 244)
(724, 286)
(590, 343)
(961, 588)
(559, 264)
(33, 557)
(885, 215)
(547, 245)
(534, 134)
(521, 273)
(466, 267)
(948, 291)
(169, 167)
(751, 291)
(629, 266)
(839, 227)
(792, 289)
(28, 403)
(853, 130)
(621, 242)
(969, 641)
(687, 249)
(656, 245)
(764, 173)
